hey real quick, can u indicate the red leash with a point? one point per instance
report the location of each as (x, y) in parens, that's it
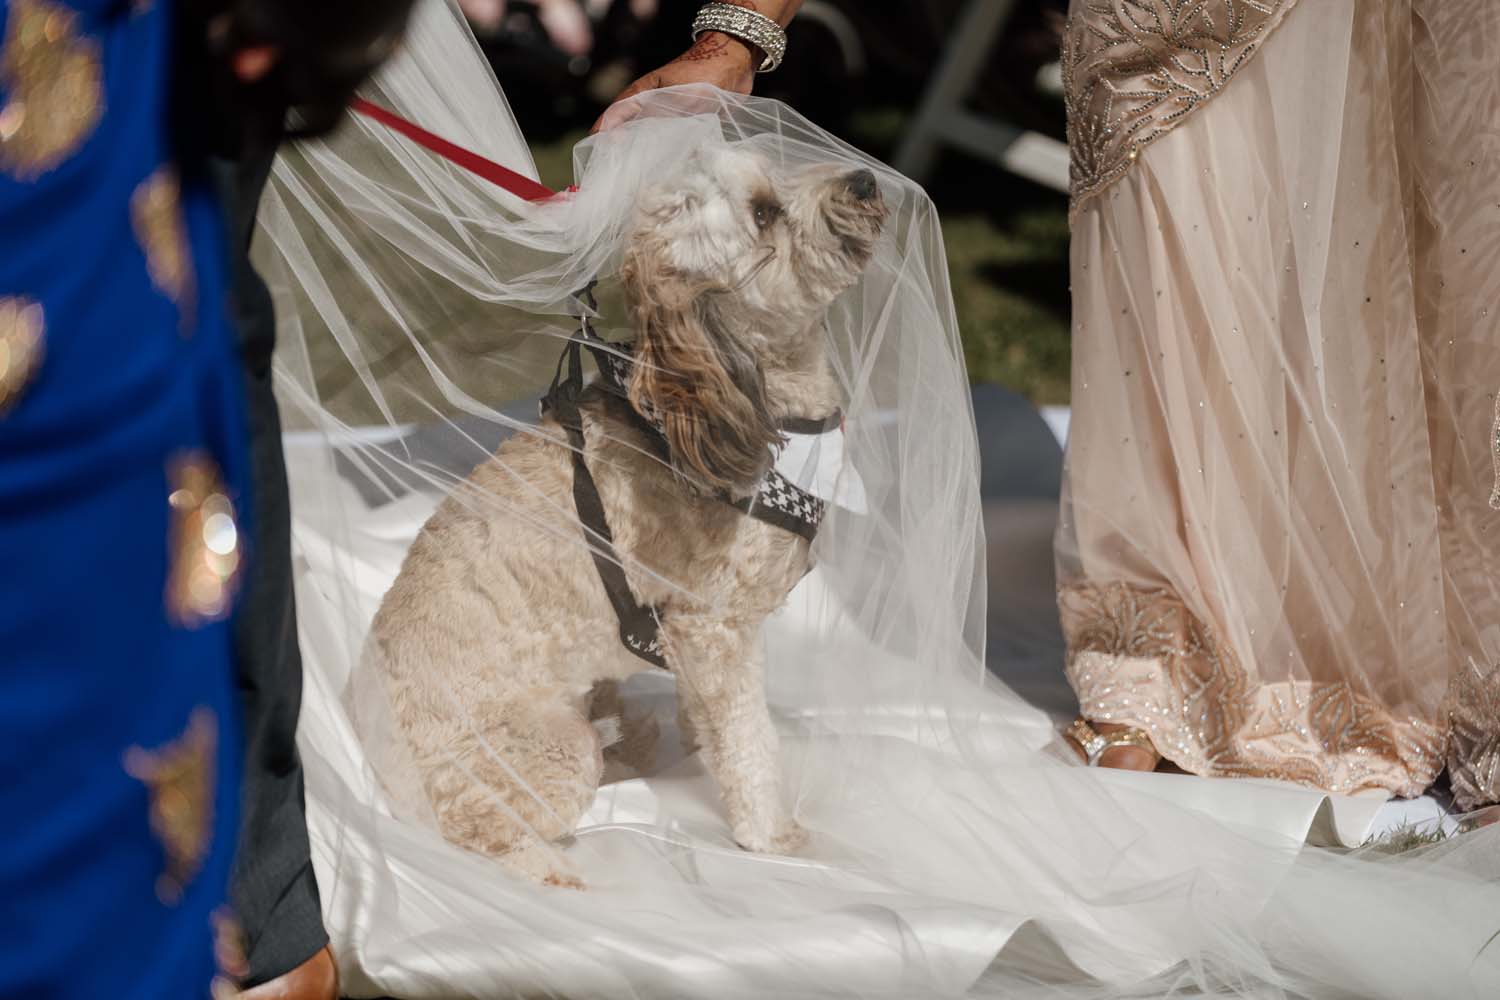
(517, 184)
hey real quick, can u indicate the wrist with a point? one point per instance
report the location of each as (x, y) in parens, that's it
(736, 49)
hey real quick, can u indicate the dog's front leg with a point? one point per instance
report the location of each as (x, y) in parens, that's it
(721, 688)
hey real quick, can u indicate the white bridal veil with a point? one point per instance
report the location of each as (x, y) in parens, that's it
(955, 849)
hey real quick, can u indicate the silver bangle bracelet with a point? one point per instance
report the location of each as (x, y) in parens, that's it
(746, 25)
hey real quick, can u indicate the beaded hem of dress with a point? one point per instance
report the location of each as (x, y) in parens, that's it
(1143, 658)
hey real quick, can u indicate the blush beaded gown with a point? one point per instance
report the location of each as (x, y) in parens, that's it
(1279, 533)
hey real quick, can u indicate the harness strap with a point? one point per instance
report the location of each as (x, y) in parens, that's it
(640, 627)
(778, 502)
(808, 425)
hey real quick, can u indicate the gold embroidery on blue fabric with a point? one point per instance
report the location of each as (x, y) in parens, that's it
(205, 543)
(54, 88)
(22, 330)
(179, 778)
(229, 955)
(156, 212)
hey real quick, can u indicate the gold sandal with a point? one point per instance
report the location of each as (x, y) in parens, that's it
(1095, 744)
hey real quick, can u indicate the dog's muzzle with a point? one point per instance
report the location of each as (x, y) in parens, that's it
(861, 185)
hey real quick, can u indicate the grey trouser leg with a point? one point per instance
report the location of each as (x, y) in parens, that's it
(274, 891)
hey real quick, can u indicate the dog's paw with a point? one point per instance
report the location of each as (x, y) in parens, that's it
(543, 864)
(790, 839)
(785, 839)
(564, 880)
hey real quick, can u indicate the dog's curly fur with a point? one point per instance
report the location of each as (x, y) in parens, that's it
(497, 634)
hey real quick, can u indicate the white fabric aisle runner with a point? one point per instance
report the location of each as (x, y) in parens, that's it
(440, 937)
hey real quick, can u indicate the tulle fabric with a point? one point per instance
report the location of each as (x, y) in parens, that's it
(957, 848)
(1277, 549)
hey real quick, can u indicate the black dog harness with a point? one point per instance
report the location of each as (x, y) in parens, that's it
(778, 502)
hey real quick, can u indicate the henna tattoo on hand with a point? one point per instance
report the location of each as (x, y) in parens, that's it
(706, 47)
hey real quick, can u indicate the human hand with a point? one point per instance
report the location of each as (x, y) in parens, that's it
(715, 58)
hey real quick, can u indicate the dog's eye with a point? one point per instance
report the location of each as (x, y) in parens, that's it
(766, 213)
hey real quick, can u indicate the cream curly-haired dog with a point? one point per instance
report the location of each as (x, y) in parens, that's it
(497, 635)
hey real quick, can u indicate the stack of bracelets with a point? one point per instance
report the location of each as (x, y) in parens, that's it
(753, 29)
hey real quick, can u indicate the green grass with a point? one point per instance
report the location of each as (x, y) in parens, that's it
(1012, 335)
(1007, 244)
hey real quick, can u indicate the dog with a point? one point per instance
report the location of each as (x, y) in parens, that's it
(496, 641)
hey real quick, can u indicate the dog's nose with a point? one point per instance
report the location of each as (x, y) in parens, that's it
(861, 184)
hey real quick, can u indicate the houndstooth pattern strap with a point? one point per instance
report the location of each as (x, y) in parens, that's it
(781, 494)
(778, 502)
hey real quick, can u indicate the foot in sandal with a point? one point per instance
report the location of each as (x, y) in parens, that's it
(1112, 745)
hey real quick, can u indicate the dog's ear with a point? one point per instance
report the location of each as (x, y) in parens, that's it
(703, 383)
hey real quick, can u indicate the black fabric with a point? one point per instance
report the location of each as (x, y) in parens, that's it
(273, 889)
